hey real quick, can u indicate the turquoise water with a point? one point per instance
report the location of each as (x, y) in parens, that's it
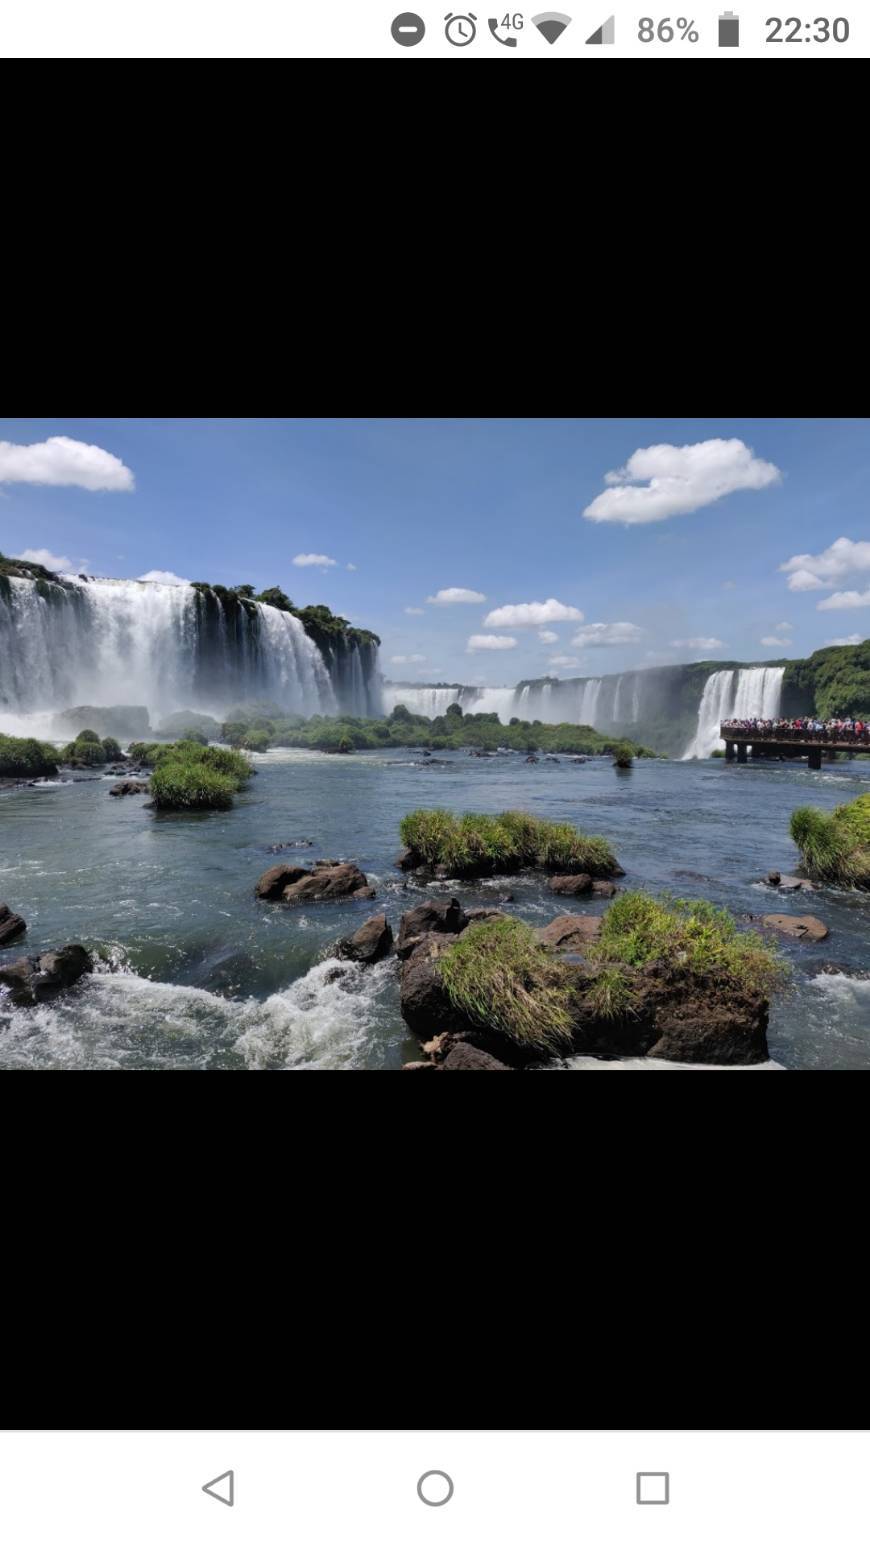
(196, 973)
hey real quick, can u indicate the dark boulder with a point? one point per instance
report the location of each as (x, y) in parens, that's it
(129, 786)
(773, 877)
(406, 859)
(370, 942)
(328, 883)
(464, 1055)
(34, 978)
(702, 1025)
(272, 882)
(571, 885)
(425, 1007)
(11, 925)
(429, 918)
(604, 888)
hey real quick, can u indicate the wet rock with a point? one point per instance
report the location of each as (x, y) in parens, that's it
(795, 883)
(569, 932)
(797, 925)
(464, 1055)
(329, 883)
(425, 1007)
(571, 885)
(406, 859)
(483, 914)
(34, 978)
(773, 877)
(604, 888)
(129, 786)
(429, 918)
(298, 842)
(370, 942)
(11, 925)
(701, 1026)
(272, 882)
(532, 758)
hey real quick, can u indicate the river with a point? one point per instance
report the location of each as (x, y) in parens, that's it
(195, 973)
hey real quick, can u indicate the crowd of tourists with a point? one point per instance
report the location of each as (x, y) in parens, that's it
(805, 728)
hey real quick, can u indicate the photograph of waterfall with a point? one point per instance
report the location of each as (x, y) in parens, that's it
(430, 745)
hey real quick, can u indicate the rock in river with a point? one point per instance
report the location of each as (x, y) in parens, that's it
(797, 925)
(11, 925)
(129, 786)
(369, 943)
(571, 885)
(328, 881)
(31, 979)
(429, 918)
(569, 932)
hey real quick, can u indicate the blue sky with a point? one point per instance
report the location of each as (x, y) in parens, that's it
(677, 558)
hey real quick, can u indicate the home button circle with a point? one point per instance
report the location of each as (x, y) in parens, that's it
(435, 1488)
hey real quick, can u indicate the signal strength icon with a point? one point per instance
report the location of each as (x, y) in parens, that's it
(606, 32)
(551, 24)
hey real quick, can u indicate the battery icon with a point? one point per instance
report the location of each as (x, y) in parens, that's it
(729, 30)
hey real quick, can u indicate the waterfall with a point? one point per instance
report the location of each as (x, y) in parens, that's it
(588, 708)
(108, 642)
(429, 701)
(753, 692)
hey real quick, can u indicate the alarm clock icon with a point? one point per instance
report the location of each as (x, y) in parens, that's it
(460, 30)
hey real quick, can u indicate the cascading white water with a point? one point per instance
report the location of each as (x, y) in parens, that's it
(588, 708)
(752, 692)
(496, 700)
(429, 701)
(108, 642)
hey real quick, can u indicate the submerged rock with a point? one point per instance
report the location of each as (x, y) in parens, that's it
(370, 942)
(11, 925)
(788, 882)
(129, 786)
(797, 925)
(34, 978)
(571, 885)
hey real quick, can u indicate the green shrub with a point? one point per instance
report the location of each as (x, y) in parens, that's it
(498, 974)
(88, 735)
(25, 757)
(84, 750)
(623, 756)
(144, 751)
(111, 748)
(513, 840)
(179, 784)
(255, 741)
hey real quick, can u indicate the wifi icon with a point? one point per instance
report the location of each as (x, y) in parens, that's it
(551, 24)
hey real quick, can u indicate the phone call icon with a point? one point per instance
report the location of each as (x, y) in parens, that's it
(505, 42)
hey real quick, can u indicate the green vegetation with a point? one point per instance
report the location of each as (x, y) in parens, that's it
(189, 776)
(26, 757)
(111, 748)
(448, 732)
(191, 725)
(329, 631)
(835, 846)
(498, 975)
(87, 750)
(833, 683)
(623, 756)
(476, 844)
(696, 939)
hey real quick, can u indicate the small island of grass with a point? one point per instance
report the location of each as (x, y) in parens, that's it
(478, 844)
(835, 846)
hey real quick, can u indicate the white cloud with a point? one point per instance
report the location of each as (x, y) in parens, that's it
(774, 641)
(453, 594)
(851, 638)
(564, 660)
(314, 560)
(49, 560)
(163, 577)
(547, 636)
(842, 599)
(489, 641)
(531, 614)
(60, 460)
(677, 480)
(699, 643)
(808, 571)
(784, 628)
(415, 611)
(350, 566)
(595, 634)
(405, 660)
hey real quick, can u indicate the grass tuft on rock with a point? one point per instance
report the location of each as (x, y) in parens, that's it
(835, 846)
(475, 843)
(693, 937)
(498, 974)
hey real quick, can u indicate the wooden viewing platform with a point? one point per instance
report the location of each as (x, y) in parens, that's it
(788, 743)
